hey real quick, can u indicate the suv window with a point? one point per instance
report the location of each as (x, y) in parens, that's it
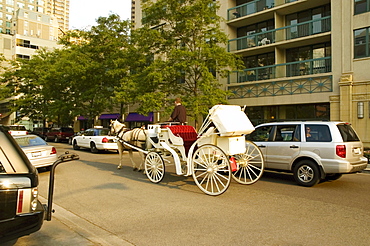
(261, 134)
(317, 133)
(287, 133)
(347, 132)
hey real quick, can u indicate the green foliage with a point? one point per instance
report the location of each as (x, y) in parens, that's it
(77, 80)
(112, 64)
(187, 50)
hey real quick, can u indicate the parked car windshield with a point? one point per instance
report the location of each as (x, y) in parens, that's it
(29, 141)
(347, 132)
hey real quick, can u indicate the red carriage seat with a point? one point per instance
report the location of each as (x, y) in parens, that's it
(187, 133)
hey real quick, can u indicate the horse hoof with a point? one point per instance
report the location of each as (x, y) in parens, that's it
(135, 169)
(140, 170)
(118, 167)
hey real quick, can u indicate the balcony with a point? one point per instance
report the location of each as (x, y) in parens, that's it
(292, 69)
(283, 87)
(254, 7)
(249, 8)
(303, 29)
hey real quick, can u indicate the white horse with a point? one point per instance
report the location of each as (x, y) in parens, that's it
(135, 137)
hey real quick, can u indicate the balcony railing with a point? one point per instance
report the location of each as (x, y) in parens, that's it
(303, 29)
(249, 8)
(254, 7)
(291, 69)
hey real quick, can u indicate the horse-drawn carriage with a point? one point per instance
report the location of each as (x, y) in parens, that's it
(213, 155)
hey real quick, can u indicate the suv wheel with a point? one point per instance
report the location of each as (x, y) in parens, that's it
(306, 173)
(93, 148)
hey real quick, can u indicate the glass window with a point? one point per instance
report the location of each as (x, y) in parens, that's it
(361, 40)
(347, 132)
(361, 6)
(317, 133)
(261, 134)
(287, 133)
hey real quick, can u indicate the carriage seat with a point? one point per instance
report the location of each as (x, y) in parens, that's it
(187, 133)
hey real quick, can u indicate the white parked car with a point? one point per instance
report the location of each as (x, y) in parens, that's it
(95, 139)
(312, 150)
(17, 130)
(37, 150)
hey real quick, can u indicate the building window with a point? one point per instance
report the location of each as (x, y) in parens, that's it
(9, 9)
(23, 56)
(362, 6)
(361, 48)
(308, 60)
(20, 5)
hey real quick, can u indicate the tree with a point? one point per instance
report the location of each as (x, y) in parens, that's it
(37, 86)
(102, 63)
(76, 80)
(187, 47)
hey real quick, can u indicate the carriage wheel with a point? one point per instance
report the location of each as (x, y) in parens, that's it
(211, 169)
(250, 165)
(154, 167)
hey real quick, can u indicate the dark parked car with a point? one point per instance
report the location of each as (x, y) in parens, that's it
(21, 213)
(41, 131)
(60, 134)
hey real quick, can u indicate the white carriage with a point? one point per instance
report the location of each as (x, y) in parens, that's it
(212, 156)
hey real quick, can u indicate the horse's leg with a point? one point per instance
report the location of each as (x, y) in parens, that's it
(141, 166)
(132, 160)
(120, 152)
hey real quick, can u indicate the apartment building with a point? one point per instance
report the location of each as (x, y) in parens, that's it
(304, 59)
(25, 27)
(59, 9)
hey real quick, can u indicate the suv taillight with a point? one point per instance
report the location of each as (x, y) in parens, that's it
(340, 150)
(105, 140)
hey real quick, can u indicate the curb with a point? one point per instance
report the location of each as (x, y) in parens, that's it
(366, 170)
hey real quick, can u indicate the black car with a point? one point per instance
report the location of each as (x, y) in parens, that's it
(21, 213)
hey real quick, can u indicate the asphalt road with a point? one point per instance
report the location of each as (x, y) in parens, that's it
(117, 207)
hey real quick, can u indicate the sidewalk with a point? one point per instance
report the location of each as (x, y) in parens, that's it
(66, 228)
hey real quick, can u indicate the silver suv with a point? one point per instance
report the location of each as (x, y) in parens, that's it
(312, 150)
